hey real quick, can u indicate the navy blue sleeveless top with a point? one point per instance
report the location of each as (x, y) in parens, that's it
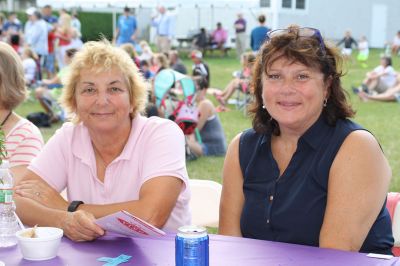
(291, 209)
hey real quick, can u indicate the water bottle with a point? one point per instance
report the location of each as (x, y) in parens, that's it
(8, 221)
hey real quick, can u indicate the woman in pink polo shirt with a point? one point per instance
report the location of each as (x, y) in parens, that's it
(110, 158)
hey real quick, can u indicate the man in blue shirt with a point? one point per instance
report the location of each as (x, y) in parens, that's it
(259, 34)
(36, 33)
(164, 24)
(47, 15)
(126, 28)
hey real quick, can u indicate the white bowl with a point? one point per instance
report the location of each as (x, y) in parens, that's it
(42, 247)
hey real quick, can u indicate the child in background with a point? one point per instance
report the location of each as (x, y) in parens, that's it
(363, 52)
(146, 52)
(29, 63)
(15, 43)
(131, 51)
(145, 69)
(348, 42)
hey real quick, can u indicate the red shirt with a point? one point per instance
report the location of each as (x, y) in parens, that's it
(51, 37)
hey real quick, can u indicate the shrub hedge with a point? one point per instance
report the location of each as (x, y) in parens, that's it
(94, 25)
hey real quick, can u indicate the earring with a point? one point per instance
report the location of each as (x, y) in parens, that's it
(263, 107)
(325, 102)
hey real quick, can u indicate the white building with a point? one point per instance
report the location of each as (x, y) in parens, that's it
(378, 20)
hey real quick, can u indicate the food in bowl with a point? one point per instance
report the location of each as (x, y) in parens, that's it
(31, 232)
(42, 247)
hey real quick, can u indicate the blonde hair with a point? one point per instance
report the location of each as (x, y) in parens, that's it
(143, 43)
(162, 59)
(12, 80)
(30, 53)
(248, 59)
(65, 23)
(130, 49)
(102, 56)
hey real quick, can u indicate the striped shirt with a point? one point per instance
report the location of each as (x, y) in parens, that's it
(23, 143)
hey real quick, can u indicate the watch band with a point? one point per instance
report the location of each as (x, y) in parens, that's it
(73, 206)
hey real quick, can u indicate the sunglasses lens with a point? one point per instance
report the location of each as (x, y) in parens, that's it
(307, 32)
(276, 33)
(301, 32)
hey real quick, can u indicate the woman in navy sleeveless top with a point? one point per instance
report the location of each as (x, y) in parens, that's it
(305, 174)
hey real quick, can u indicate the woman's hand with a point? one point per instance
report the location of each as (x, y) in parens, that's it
(39, 191)
(80, 226)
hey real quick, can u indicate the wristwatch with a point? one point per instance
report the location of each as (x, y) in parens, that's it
(73, 206)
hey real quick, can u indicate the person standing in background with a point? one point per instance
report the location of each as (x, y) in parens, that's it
(259, 34)
(363, 51)
(164, 25)
(36, 32)
(75, 23)
(126, 28)
(240, 30)
(348, 42)
(47, 14)
(50, 58)
(64, 34)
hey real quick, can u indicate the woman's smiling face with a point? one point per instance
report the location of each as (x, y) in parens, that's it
(102, 99)
(293, 94)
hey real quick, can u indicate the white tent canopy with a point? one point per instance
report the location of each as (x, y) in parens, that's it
(101, 4)
(190, 15)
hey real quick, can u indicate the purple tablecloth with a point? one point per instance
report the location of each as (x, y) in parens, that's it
(223, 251)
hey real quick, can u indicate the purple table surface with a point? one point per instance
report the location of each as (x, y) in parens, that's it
(223, 251)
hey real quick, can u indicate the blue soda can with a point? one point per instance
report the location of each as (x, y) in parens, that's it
(191, 246)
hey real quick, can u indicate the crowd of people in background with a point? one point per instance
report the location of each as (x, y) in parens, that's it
(49, 39)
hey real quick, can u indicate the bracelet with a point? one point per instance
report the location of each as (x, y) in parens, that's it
(73, 206)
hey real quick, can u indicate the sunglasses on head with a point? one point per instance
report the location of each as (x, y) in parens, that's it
(300, 32)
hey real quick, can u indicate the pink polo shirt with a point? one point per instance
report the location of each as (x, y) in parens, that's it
(220, 35)
(156, 147)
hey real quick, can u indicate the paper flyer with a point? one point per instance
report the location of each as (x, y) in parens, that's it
(124, 223)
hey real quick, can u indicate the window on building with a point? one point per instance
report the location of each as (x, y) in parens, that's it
(265, 3)
(300, 4)
(287, 3)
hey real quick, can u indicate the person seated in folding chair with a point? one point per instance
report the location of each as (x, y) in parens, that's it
(50, 90)
(219, 38)
(210, 139)
(240, 81)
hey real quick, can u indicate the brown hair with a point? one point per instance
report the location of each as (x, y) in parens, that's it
(310, 52)
(12, 80)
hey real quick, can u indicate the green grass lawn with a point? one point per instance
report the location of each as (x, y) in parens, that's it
(379, 118)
